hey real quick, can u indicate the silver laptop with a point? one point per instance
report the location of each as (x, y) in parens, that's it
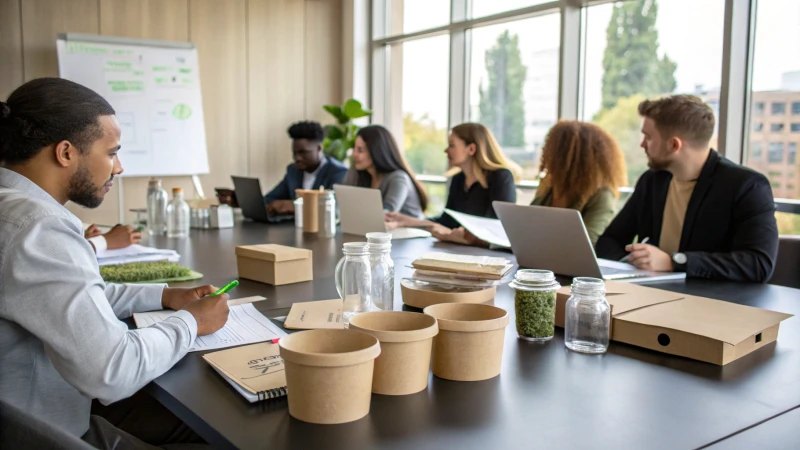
(361, 212)
(555, 239)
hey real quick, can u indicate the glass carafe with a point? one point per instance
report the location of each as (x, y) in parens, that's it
(354, 279)
(382, 268)
(587, 317)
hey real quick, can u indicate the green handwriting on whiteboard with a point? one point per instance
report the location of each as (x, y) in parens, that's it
(161, 68)
(181, 111)
(184, 70)
(126, 86)
(80, 47)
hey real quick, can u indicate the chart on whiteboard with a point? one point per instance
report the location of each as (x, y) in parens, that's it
(156, 95)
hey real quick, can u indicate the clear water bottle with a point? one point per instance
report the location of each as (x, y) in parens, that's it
(354, 279)
(587, 317)
(157, 200)
(382, 268)
(178, 216)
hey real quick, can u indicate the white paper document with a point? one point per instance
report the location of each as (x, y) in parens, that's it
(135, 253)
(245, 325)
(485, 229)
(622, 271)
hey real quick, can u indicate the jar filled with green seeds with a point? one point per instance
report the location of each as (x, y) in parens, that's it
(535, 304)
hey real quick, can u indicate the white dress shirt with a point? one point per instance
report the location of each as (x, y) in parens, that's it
(61, 340)
(310, 178)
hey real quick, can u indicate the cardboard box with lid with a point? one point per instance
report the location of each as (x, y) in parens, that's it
(704, 329)
(274, 264)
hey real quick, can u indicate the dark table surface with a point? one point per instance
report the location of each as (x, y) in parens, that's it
(545, 396)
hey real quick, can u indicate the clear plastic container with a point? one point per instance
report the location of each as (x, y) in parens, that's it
(382, 268)
(178, 216)
(354, 280)
(157, 200)
(587, 317)
(535, 304)
(298, 212)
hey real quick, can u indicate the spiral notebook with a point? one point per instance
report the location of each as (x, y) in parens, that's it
(255, 371)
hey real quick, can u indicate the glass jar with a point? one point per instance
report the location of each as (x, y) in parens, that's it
(535, 304)
(382, 268)
(178, 216)
(587, 317)
(298, 212)
(327, 214)
(354, 280)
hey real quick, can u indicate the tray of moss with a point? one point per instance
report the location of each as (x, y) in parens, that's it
(148, 272)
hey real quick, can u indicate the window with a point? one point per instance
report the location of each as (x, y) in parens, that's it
(758, 108)
(796, 108)
(795, 127)
(420, 71)
(758, 126)
(776, 127)
(514, 85)
(409, 16)
(778, 109)
(482, 8)
(635, 50)
(775, 152)
(755, 151)
(790, 157)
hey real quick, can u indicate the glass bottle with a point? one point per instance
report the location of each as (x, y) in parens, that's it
(327, 214)
(157, 200)
(178, 215)
(587, 317)
(298, 212)
(382, 268)
(353, 280)
(535, 304)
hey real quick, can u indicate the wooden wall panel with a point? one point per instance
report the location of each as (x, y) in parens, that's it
(276, 48)
(218, 30)
(323, 57)
(11, 73)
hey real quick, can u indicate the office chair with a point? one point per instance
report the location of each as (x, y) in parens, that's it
(787, 264)
(22, 431)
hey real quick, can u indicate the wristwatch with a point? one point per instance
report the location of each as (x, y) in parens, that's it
(679, 262)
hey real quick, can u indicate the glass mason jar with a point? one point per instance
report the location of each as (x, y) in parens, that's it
(298, 212)
(587, 317)
(382, 268)
(354, 280)
(535, 304)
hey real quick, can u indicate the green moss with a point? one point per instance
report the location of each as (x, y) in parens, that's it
(535, 312)
(144, 271)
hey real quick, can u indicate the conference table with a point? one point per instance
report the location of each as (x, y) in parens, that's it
(546, 396)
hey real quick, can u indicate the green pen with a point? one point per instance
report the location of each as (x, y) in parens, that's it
(226, 288)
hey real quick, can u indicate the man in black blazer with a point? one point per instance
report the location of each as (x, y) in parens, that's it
(310, 170)
(701, 213)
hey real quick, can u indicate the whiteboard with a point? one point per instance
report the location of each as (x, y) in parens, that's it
(154, 87)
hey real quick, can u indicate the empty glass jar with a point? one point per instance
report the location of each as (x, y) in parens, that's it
(587, 317)
(354, 280)
(535, 304)
(382, 267)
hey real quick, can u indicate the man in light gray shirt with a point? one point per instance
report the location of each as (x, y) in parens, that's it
(61, 341)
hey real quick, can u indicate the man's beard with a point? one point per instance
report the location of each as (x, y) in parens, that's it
(82, 191)
(656, 165)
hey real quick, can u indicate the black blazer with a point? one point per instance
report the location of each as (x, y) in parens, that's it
(331, 173)
(729, 232)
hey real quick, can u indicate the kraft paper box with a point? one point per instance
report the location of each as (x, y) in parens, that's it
(704, 329)
(274, 264)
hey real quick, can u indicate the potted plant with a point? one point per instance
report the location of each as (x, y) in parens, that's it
(341, 137)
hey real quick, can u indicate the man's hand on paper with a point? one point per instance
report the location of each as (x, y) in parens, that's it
(281, 207)
(177, 298)
(649, 257)
(92, 231)
(122, 236)
(210, 313)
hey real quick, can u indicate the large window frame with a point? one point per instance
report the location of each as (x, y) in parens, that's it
(736, 80)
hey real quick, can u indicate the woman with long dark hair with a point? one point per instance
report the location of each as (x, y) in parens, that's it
(379, 164)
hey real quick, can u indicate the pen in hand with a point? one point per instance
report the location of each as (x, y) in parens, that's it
(226, 288)
(626, 257)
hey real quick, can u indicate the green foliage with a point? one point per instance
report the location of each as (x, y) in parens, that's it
(424, 145)
(501, 105)
(631, 63)
(341, 137)
(624, 124)
(143, 271)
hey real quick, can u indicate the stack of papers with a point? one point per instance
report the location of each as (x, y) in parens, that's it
(462, 270)
(485, 229)
(135, 253)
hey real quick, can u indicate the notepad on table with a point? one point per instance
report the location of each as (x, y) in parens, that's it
(135, 253)
(255, 371)
(323, 314)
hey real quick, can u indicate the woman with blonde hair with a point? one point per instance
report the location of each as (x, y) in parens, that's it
(481, 174)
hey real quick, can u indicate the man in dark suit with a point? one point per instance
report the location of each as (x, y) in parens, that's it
(701, 213)
(310, 170)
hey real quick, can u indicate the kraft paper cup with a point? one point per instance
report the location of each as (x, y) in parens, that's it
(469, 346)
(329, 374)
(406, 339)
(310, 209)
(421, 294)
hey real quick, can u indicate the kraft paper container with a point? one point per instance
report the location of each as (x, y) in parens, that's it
(329, 374)
(421, 295)
(469, 346)
(310, 209)
(406, 339)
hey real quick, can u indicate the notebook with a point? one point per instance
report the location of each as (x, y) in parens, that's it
(255, 371)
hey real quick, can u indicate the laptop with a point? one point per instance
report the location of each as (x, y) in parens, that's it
(555, 239)
(251, 200)
(361, 212)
